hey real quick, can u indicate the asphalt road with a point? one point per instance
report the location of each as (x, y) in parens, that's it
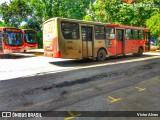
(118, 84)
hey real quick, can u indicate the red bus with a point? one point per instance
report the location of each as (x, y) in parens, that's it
(122, 39)
(10, 40)
(29, 39)
(77, 39)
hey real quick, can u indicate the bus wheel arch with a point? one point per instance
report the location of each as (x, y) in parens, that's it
(140, 51)
(101, 54)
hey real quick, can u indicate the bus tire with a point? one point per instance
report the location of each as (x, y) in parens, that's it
(140, 52)
(101, 55)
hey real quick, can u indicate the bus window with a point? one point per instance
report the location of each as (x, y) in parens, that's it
(135, 34)
(110, 33)
(128, 34)
(99, 32)
(89, 34)
(141, 34)
(86, 33)
(70, 30)
(120, 35)
(30, 37)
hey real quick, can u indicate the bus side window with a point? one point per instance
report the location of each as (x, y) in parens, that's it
(99, 32)
(135, 34)
(141, 34)
(70, 30)
(110, 33)
(120, 35)
(128, 34)
(84, 35)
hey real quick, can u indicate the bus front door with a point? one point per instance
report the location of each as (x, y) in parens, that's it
(87, 41)
(120, 41)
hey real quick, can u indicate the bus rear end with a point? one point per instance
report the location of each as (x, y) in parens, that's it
(29, 39)
(50, 39)
(10, 40)
(147, 39)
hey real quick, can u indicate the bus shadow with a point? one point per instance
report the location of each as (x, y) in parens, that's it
(21, 55)
(73, 63)
(15, 56)
(84, 62)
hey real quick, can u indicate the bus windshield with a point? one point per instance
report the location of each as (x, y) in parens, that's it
(13, 38)
(30, 37)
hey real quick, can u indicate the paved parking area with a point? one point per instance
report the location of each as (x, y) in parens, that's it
(143, 96)
(31, 64)
(42, 83)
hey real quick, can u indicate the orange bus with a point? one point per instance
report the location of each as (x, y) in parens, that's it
(122, 39)
(29, 39)
(77, 39)
(10, 40)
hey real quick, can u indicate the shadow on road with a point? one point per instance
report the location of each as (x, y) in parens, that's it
(21, 55)
(73, 63)
(84, 62)
(15, 56)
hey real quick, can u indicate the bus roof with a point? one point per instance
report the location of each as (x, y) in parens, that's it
(28, 30)
(2, 28)
(74, 20)
(126, 26)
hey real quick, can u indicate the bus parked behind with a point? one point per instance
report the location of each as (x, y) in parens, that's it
(29, 38)
(77, 39)
(122, 40)
(10, 40)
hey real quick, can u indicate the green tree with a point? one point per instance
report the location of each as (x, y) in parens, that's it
(154, 24)
(2, 24)
(75, 9)
(45, 9)
(116, 11)
(16, 12)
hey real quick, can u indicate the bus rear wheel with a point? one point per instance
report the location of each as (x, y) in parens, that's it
(101, 55)
(140, 52)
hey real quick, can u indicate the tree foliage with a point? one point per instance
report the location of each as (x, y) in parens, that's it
(116, 11)
(154, 24)
(33, 13)
(2, 24)
(15, 12)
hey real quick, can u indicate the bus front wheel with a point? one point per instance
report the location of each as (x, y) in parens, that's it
(101, 55)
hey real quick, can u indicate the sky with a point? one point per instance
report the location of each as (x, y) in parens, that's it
(2, 1)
